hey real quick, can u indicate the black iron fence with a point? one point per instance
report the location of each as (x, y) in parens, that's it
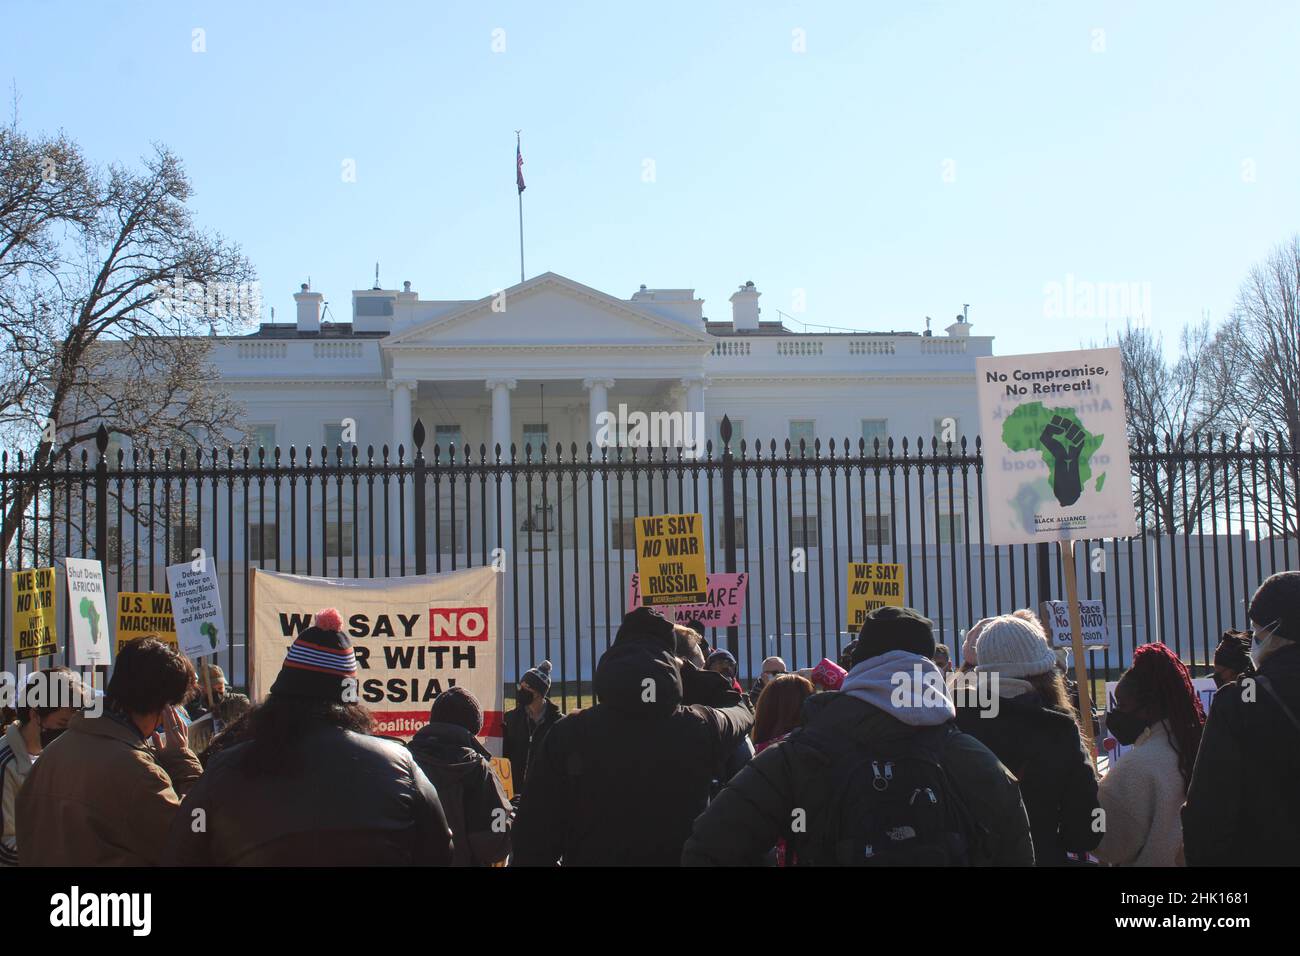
(1216, 517)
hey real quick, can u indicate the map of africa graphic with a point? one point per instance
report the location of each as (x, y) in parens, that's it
(1065, 445)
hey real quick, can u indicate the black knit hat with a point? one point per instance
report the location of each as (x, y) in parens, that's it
(894, 629)
(320, 662)
(646, 624)
(1276, 605)
(1233, 651)
(456, 705)
(538, 678)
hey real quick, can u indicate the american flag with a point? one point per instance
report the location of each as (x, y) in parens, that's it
(519, 166)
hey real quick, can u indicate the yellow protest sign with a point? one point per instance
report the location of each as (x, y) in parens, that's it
(871, 586)
(502, 766)
(35, 630)
(670, 559)
(144, 614)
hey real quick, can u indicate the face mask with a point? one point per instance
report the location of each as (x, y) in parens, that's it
(1125, 727)
(49, 735)
(524, 697)
(1263, 646)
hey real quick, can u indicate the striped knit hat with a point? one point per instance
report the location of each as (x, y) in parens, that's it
(319, 661)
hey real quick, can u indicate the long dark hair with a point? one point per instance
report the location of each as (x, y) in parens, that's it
(1162, 683)
(277, 725)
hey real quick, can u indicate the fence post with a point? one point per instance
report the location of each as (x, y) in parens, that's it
(101, 498)
(1044, 574)
(417, 499)
(729, 522)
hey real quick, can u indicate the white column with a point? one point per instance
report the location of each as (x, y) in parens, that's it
(696, 428)
(402, 397)
(403, 394)
(597, 406)
(500, 389)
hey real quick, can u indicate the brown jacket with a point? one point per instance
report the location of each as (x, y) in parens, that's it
(101, 796)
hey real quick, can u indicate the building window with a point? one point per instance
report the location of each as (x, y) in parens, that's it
(950, 527)
(537, 436)
(263, 541)
(876, 530)
(737, 436)
(622, 534)
(184, 539)
(947, 429)
(262, 436)
(334, 438)
(799, 526)
(873, 430)
(739, 525)
(332, 542)
(449, 441)
(805, 430)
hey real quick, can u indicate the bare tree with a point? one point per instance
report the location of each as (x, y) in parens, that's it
(108, 293)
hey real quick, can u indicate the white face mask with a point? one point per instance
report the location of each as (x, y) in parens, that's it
(1265, 643)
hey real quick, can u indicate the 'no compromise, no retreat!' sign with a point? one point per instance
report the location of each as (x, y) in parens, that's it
(670, 560)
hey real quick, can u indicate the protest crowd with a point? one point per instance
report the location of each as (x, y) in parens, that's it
(889, 756)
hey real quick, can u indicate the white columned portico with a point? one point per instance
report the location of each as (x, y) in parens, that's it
(500, 389)
(597, 407)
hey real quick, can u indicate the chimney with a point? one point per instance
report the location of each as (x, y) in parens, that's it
(960, 327)
(309, 304)
(744, 308)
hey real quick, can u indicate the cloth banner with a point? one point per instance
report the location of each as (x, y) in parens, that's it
(413, 637)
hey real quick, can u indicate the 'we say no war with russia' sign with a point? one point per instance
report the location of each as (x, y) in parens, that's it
(670, 560)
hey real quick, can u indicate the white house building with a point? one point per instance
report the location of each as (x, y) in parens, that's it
(540, 361)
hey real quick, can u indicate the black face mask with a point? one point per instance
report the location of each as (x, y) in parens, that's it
(524, 697)
(49, 735)
(1125, 727)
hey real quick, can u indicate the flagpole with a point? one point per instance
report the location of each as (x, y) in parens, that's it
(518, 149)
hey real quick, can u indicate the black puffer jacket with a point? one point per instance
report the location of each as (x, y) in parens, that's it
(1241, 805)
(620, 782)
(520, 740)
(356, 801)
(755, 809)
(1043, 749)
(477, 808)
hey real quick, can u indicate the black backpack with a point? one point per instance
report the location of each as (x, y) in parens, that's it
(886, 805)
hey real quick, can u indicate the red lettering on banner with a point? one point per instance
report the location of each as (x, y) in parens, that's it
(458, 624)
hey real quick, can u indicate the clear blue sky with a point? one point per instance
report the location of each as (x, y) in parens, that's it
(822, 170)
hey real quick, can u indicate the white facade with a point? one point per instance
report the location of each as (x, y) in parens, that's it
(552, 352)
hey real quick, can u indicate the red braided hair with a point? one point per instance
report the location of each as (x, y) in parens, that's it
(1163, 682)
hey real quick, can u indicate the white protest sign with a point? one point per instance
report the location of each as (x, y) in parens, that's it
(196, 606)
(1055, 446)
(88, 611)
(1092, 614)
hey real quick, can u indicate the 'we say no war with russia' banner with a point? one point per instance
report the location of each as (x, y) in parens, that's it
(413, 637)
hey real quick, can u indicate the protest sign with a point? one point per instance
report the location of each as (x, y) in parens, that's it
(144, 614)
(1092, 618)
(413, 637)
(872, 585)
(88, 612)
(1055, 446)
(670, 559)
(722, 606)
(504, 772)
(35, 628)
(196, 607)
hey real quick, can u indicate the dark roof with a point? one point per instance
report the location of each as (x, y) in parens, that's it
(328, 330)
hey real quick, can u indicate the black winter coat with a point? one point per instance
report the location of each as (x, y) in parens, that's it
(755, 809)
(1241, 805)
(519, 740)
(477, 808)
(357, 801)
(1043, 749)
(620, 782)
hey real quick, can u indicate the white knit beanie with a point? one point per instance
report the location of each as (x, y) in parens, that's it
(1013, 647)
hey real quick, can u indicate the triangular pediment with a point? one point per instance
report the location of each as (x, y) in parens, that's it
(548, 310)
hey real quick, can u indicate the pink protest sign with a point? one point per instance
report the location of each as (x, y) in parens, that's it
(726, 601)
